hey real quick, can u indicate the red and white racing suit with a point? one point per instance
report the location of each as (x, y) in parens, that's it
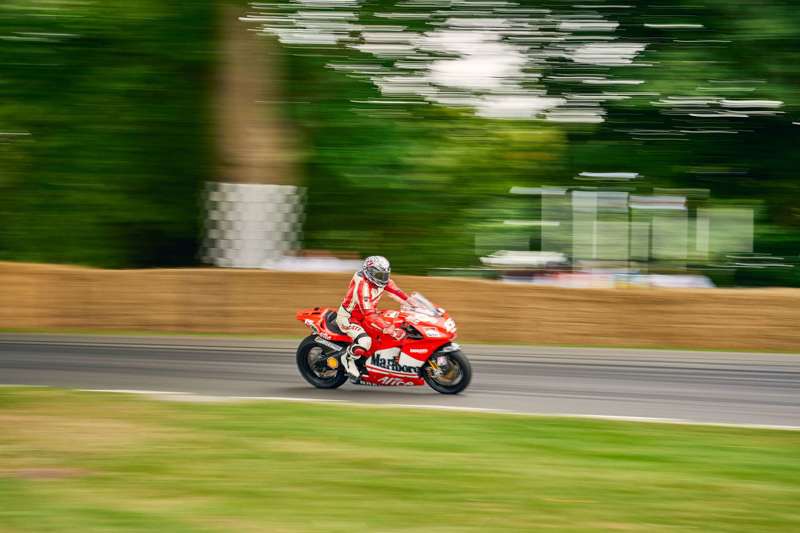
(359, 309)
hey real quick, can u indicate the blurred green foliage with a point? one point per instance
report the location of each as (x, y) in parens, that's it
(111, 99)
(415, 182)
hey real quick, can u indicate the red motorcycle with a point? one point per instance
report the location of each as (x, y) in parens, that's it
(426, 354)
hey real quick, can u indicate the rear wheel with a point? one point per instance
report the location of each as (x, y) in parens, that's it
(312, 362)
(448, 373)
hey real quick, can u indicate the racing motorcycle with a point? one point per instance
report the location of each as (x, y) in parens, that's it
(425, 354)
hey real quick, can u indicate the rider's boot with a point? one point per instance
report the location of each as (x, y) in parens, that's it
(350, 360)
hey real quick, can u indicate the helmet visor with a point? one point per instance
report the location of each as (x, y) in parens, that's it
(380, 276)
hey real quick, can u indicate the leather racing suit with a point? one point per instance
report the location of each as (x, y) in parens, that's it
(358, 313)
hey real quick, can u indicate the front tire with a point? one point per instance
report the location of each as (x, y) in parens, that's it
(311, 362)
(455, 379)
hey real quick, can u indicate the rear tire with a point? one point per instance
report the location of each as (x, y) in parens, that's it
(311, 362)
(450, 384)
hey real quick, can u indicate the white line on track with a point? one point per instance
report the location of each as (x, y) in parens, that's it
(133, 391)
(192, 397)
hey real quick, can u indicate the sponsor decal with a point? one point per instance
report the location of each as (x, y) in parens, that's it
(433, 333)
(392, 364)
(394, 381)
(324, 335)
(308, 322)
(418, 350)
(450, 325)
(323, 342)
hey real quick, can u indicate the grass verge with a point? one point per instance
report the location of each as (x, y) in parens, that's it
(74, 461)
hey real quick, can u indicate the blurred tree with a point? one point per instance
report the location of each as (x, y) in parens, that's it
(707, 103)
(105, 130)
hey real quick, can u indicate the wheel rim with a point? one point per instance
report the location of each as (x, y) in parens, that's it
(318, 364)
(451, 377)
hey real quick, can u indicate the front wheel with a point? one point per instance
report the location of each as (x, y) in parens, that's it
(448, 373)
(312, 362)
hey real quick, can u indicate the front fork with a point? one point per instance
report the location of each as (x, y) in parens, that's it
(438, 362)
(436, 370)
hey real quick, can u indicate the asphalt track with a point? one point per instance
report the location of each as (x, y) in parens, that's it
(703, 387)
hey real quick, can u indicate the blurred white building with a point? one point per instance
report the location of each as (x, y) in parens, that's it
(620, 232)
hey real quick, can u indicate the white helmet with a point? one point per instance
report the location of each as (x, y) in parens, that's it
(376, 268)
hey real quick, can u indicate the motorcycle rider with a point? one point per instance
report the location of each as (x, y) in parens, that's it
(359, 314)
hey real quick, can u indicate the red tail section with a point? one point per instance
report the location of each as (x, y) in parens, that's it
(310, 314)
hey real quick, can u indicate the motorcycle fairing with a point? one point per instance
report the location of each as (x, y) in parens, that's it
(394, 363)
(390, 367)
(391, 362)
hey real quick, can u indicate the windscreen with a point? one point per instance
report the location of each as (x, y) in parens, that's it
(417, 303)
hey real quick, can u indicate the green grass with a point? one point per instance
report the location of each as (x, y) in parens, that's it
(90, 461)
